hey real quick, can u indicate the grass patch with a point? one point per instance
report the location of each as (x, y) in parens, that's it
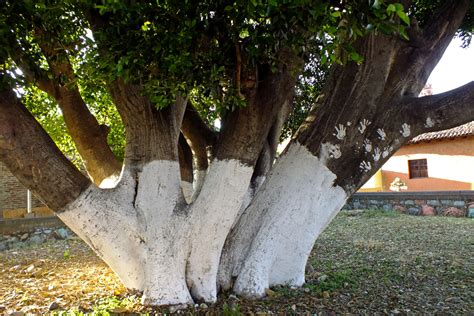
(373, 262)
(332, 282)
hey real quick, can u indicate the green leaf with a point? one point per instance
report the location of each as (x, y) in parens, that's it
(391, 8)
(402, 15)
(146, 26)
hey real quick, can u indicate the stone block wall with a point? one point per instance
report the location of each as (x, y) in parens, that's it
(448, 203)
(12, 192)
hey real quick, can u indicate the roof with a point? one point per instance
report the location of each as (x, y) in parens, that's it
(459, 131)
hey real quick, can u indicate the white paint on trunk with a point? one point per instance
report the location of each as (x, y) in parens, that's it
(340, 132)
(405, 131)
(294, 205)
(199, 177)
(365, 166)
(134, 228)
(367, 145)
(188, 191)
(110, 182)
(429, 122)
(165, 233)
(329, 150)
(363, 125)
(250, 194)
(107, 223)
(212, 216)
(382, 134)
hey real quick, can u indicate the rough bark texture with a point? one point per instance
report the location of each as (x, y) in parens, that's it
(363, 116)
(33, 158)
(245, 130)
(151, 134)
(200, 137)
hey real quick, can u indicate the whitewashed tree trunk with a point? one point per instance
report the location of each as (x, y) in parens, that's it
(157, 243)
(273, 239)
(212, 215)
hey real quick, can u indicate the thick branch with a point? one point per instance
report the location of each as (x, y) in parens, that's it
(151, 134)
(32, 72)
(90, 137)
(33, 158)
(245, 130)
(185, 160)
(199, 135)
(445, 21)
(441, 111)
(417, 58)
(269, 150)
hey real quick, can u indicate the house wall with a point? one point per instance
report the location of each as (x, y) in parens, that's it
(450, 165)
(12, 192)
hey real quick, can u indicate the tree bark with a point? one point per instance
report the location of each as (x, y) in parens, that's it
(151, 134)
(365, 113)
(90, 137)
(186, 167)
(33, 158)
(177, 252)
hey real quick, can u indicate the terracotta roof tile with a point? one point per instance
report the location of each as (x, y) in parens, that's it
(459, 131)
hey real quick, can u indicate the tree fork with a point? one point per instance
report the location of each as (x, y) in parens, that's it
(89, 137)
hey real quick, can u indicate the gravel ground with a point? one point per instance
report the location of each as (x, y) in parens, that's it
(364, 263)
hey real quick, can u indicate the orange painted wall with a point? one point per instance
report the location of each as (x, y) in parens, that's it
(450, 165)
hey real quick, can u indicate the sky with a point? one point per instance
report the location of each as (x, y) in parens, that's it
(455, 68)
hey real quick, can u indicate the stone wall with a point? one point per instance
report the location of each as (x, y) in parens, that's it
(18, 233)
(12, 192)
(447, 203)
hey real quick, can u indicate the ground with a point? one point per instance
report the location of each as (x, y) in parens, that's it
(363, 263)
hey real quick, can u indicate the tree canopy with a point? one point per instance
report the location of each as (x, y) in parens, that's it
(207, 50)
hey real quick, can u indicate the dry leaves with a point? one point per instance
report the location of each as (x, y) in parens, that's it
(365, 264)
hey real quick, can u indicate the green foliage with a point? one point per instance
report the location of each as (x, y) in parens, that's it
(228, 310)
(67, 254)
(332, 282)
(46, 111)
(193, 48)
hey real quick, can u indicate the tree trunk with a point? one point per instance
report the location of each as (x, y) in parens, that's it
(178, 251)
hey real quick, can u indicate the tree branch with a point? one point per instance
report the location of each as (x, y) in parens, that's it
(185, 160)
(199, 135)
(88, 135)
(32, 72)
(415, 60)
(151, 134)
(445, 22)
(246, 129)
(441, 111)
(31, 155)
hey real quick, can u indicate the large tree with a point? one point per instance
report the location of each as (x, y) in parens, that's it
(189, 208)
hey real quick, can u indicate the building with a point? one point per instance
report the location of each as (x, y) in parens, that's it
(438, 161)
(14, 196)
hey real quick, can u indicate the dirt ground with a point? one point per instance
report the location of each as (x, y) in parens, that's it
(364, 263)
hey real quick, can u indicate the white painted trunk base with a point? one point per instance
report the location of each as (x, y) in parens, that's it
(212, 216)
(155, 242)
(134, 229)
(106, 221)
(275, 235)
(158, 197)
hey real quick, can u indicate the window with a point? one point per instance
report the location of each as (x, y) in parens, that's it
(418, 168)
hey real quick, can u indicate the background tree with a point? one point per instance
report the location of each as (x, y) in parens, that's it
(188, 208)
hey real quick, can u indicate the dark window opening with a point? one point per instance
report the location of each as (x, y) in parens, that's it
(418, 168)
